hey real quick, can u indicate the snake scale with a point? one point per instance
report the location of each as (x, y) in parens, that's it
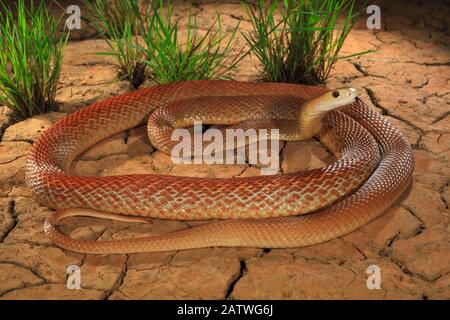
(373, 169)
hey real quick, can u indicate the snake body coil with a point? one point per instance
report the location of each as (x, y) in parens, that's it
(375, 165)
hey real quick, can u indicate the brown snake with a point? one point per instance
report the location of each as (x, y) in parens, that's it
(287, 210)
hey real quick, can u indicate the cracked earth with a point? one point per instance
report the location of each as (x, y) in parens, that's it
(406, 79)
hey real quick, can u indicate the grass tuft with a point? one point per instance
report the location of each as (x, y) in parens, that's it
(298, 41)
(30, 59)
(147, 43)
(118, 24)
(173, 57)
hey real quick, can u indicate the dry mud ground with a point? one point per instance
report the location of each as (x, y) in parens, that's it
(407, 80)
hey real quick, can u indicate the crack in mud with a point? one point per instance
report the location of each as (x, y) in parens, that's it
(365, 73)
(120, 279)
(441, 191)
(411, 212)
(14, 218)
(281, 156)
(406, 271)
(441, 117)
(42, 279)
(9, 161)
(386, 112)
(242, 272)
(36, 285)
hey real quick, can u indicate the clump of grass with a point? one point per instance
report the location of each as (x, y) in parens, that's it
(172, 57)
(148, 43)
(30, 59)
(117, 22)
(298, 41)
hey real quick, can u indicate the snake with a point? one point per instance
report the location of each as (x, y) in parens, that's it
(373, 167)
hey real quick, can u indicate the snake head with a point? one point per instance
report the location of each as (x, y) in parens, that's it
(315, 109)
(334, 99)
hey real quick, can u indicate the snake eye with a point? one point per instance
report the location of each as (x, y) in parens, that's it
(335, 94)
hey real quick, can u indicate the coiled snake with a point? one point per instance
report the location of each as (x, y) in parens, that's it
(286, 210)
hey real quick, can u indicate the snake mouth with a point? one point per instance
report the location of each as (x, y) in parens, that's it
(350, 102)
